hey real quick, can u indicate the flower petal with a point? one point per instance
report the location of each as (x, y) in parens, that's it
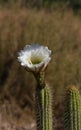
(35, 57)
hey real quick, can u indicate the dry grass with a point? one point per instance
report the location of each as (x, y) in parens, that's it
(61, 32)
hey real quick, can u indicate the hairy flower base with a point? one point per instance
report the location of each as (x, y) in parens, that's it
(34, 57)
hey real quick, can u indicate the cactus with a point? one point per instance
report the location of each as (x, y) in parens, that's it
(43, 104)
(72, 109)
(35, 58)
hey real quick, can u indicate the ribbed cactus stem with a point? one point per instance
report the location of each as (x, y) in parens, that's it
(72, 109)
(43, 105)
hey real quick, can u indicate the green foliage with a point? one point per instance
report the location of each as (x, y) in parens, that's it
(76, 3)
(29, 3)
(73, 109)
(40, 3)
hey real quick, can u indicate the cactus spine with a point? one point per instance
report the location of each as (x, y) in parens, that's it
(43, 104)
(72, 109)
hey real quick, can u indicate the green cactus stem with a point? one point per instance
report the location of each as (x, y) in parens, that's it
(43, 104)
(72, 109)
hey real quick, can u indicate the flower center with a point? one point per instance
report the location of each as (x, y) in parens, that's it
(36, 59)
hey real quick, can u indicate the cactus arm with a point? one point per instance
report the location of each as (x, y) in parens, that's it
(43, 106)
(72, 109)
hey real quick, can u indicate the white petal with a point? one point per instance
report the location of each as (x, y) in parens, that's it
(34, 56)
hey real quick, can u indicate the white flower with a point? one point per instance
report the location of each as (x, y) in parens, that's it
(34, 57)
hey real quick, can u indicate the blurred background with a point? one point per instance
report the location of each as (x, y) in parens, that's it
(53, 23)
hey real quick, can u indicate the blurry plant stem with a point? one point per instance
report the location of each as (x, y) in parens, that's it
(40, 79)
(43, 104)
